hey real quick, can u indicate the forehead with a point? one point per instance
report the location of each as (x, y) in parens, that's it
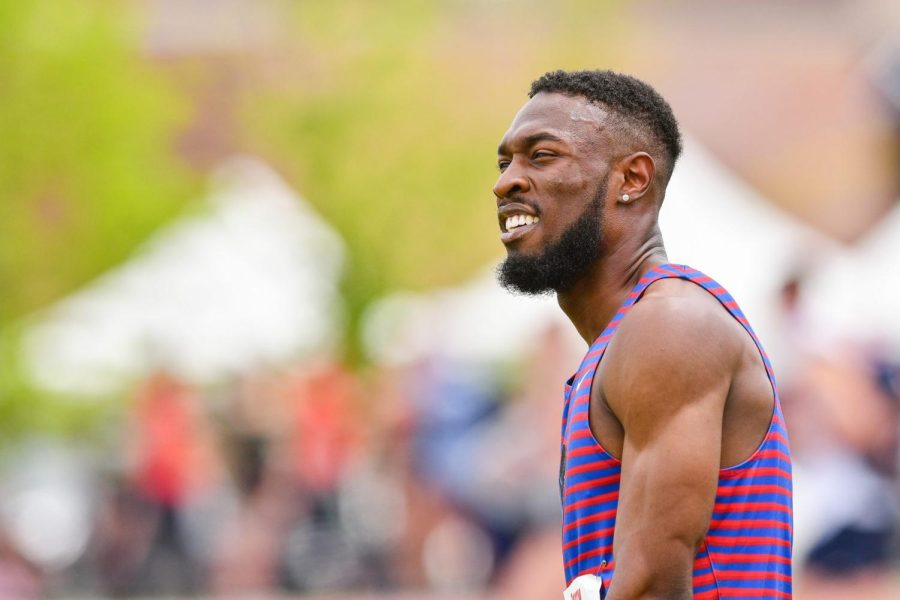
(571, 118)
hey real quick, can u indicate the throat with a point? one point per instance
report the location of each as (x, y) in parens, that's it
(592, 302)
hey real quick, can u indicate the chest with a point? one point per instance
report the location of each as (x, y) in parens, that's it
(584, 453)
(592, 420)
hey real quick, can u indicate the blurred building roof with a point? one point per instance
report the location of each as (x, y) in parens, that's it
(198, 27)
(783, 93)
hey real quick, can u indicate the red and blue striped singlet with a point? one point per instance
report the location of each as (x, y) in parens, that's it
(747, 549)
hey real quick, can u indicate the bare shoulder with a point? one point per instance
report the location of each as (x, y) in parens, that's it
(675, 345)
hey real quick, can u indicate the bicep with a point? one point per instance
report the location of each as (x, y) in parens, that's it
(666, 497)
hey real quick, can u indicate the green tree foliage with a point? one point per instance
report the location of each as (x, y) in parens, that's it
(86, 167)
(86, 173)
(387, 117)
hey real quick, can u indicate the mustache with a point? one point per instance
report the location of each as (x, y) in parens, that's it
(519, 200)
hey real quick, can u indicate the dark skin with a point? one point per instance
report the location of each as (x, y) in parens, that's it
(681, 391)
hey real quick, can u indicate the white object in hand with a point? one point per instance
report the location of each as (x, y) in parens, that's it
(584, 587)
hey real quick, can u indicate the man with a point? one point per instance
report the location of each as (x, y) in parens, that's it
(676, 474)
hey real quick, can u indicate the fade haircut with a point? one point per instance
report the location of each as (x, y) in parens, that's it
(640, 108)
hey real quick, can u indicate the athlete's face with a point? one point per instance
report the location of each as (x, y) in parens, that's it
(554, 170)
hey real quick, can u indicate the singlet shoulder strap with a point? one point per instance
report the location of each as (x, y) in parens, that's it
(668, 271)
(595, 352)
(640, 287)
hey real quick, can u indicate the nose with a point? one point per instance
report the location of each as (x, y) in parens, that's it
(511, 181)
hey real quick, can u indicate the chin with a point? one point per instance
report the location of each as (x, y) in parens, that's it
(523, 249)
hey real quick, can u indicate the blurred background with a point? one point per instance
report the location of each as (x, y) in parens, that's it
(251, 340)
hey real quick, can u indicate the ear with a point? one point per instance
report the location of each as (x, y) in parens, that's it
(637, 170)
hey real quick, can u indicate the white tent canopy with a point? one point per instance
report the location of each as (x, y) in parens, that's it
(251, 280)
(856, 293)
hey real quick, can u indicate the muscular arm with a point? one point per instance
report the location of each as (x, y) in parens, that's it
(666, 378)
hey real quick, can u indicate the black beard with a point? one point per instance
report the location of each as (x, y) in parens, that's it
(563, 262)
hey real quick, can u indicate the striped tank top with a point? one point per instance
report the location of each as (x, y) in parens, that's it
(747, 549)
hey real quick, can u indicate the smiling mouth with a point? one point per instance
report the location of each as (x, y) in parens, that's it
(518, 225)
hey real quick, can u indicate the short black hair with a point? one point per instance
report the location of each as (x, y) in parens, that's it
(635, 101)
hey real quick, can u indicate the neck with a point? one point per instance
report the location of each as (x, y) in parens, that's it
(593, 301)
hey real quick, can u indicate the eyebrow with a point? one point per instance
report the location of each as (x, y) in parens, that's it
(531, 140)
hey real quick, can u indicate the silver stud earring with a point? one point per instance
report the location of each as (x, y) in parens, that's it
(626, 198)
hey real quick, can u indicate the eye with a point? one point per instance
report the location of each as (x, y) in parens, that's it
(502, 164)
(540, 154)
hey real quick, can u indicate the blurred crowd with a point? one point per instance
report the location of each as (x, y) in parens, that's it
(430, 476)
(435, 476)
(842, 403)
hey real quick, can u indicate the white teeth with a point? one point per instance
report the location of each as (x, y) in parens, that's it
(519, 220)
